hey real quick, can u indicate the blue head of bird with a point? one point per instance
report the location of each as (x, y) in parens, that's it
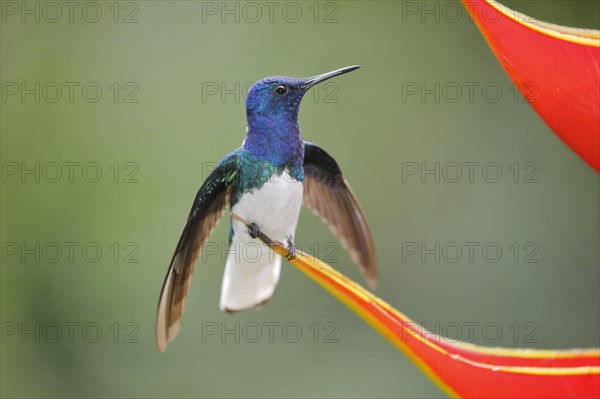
(272, 106)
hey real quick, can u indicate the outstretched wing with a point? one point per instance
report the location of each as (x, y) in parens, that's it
(204, 215)
(328, 195)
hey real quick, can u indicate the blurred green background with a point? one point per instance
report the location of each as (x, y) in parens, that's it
(158, 124)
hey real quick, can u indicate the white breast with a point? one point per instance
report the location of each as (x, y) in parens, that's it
(274, 207)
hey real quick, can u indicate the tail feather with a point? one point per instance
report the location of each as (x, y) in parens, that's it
(251, 274)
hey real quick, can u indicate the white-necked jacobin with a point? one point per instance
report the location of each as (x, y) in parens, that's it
(265, 181)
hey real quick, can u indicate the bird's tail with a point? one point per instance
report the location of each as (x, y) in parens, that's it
(251, 274)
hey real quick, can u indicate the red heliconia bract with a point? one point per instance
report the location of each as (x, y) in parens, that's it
(463, 369)
(556, 69)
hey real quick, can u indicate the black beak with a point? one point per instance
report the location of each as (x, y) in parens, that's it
(310, 82)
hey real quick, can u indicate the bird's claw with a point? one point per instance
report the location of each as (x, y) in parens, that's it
(291, 250)
(253, 230)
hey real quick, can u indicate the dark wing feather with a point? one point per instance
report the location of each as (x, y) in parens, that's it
(328, 195)
(206, 211)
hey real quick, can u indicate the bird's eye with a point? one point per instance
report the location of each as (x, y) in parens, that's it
(280, 90)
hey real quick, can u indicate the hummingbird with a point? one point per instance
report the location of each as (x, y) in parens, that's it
(265, 181)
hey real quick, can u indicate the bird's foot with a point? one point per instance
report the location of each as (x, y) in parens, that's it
(291, 249)
(253, 230)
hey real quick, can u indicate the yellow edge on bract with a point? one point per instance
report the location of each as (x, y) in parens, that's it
(588, 37)
(314, 268)
(531, 353)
